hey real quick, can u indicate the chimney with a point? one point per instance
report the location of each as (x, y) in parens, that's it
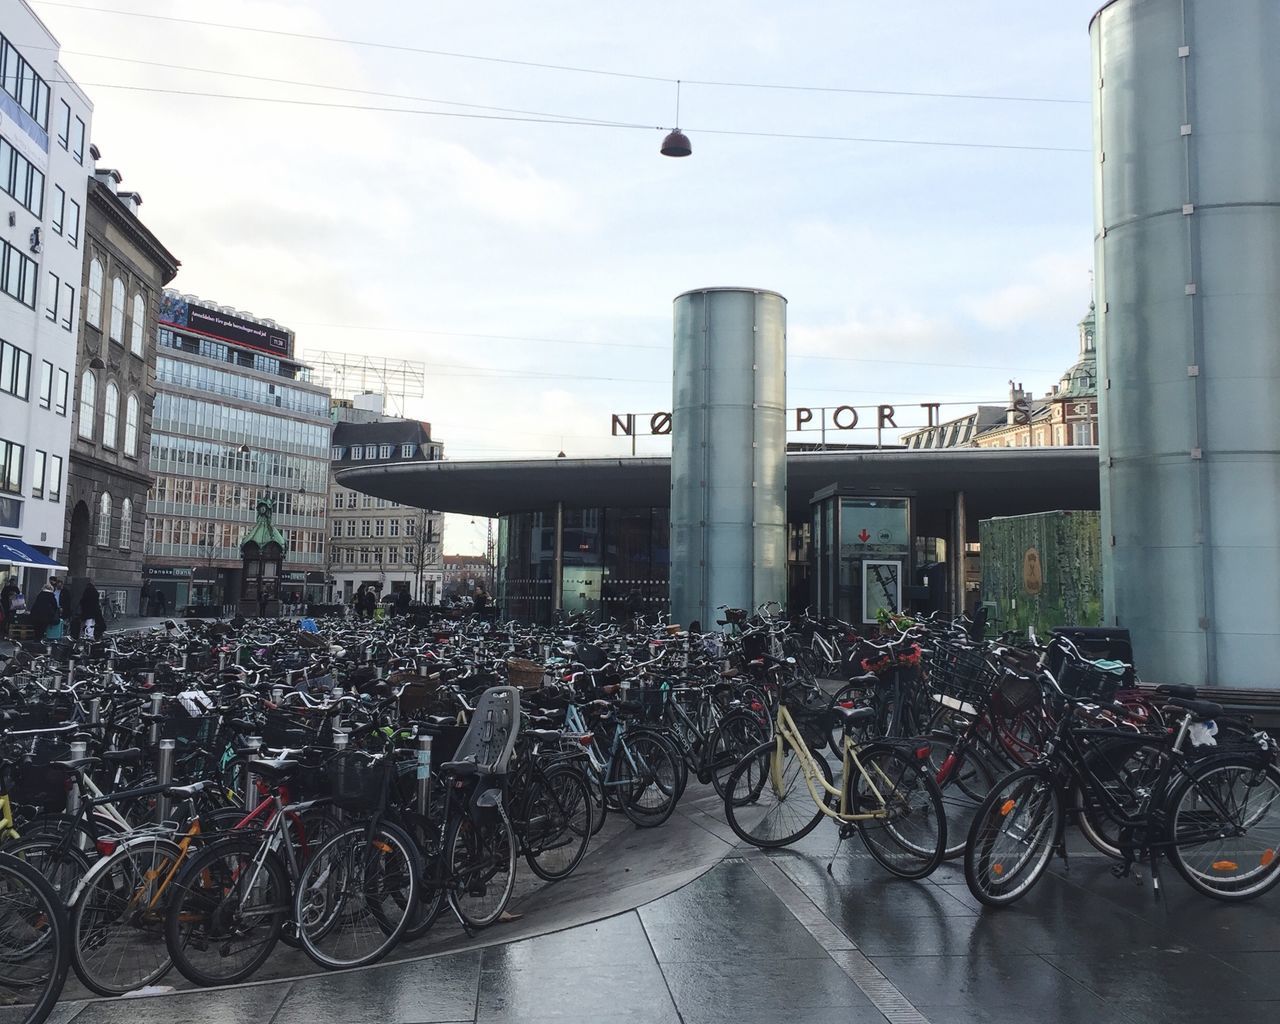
(132, 200)
(110, 178)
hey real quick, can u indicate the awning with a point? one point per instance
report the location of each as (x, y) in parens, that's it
(16, 552)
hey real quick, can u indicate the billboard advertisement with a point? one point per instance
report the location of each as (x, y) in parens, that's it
(212, 323)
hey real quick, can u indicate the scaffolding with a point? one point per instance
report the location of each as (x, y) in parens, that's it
(348, 374)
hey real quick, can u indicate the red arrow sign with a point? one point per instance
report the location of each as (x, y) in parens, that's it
(864, 536)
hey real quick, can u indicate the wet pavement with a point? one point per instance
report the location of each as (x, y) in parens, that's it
(766, 938)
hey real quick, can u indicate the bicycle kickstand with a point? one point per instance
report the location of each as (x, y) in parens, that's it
(840, 837)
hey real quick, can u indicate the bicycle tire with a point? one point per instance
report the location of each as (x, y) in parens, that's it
(475, 855)
(58, 863)
(204, 901)
(30, 902)
(964, 785)
(356, 896)
(555, 801)
(649, 780)
(750, 781)
(673, 748)
(117, 923)
(1247, 868)
(1032, 793)
(912, 841)
(735, 736)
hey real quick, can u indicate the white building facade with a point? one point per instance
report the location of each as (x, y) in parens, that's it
(45, 122)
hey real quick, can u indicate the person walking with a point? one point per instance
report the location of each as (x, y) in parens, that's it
(45, 615)
(90, 610)
(480, 600)
(402, 603)
(11, 603)
(262, 603)
(143, 594)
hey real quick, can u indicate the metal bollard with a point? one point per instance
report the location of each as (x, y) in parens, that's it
(277, 694)
(95, 711)
(79, 749)
(149, 678)
(164, 773)
(222, 660)
(157, 708)
(424, 774)
(340, 739)
(247, 779)
(183, 666)
(424, 669)
(377, 672)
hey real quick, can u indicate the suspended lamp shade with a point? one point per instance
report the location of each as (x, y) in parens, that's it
(676, 144)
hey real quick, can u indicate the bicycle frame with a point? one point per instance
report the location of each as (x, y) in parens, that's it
(786, 732)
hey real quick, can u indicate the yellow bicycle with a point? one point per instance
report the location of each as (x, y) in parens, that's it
(777, 793)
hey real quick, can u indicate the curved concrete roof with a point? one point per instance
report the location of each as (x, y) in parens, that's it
(996, 481)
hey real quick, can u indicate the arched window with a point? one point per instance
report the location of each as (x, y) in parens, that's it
(132, 413)
(126, 525)
(94, 313)
(139, 318)
(104, 520)
(88, 404)
(117, 310)
(111, 415)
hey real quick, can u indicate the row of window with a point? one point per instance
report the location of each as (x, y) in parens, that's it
(138, 311)
(19, 80)
(378, 556)
(207, 539)
(211, 419)
(18, 275)
(104, 523)
(377, 527)
(110, 414)
(205, 495)
(52, 397)
(46, 476)
(343, 498)
(237, 385)
(169, 452)
(65, 221)
(59, 301)
(379, 451)
(21, 178)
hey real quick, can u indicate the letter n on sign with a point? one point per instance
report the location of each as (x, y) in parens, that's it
(625, 425)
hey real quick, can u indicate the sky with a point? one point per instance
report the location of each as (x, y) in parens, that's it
(479, 187)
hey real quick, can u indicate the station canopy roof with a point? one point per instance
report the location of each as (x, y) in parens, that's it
(996, 481)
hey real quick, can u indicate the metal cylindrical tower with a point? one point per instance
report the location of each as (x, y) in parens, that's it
(1187, 218)
(728, 452)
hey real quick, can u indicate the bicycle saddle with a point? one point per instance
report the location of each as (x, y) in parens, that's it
(461, 769)
(133, 755)
(1180, 691)
(273, 770)
(852, 716)
(1199, 708)
(76, 765)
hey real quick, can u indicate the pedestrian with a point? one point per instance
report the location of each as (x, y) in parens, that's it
(11, 603)
(402, 602)
(262, 603)
(90, 610)
(143, 595)
(480, 600)
(45, 616)
(370, 603)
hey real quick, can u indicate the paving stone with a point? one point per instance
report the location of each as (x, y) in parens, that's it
(436, 990)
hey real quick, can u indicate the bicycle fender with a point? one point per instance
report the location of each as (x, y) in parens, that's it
(102, 863)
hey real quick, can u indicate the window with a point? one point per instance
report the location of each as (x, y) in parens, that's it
(395, 528)
(364, 556)
(21, 179)
(384, 452)
(117, 311)
(337, 499)
(348, 555)
(357, 451)
(138, 322)
(52, 291)
(364, 527)
(406, 451)
(1082, 432)
(53, 484)
(73, 224)
(59, 208)
(126, 525)
(393, 555)
(351, 527)
(68, 305)
(366, 501)
(351, 499)
(409, 558)
(110, 415)
(132, 413)
(93, 314)
(379, 527)
(15, 370)
(60, 396)
(46, 384)
(410, 526)
(64, 125)
(104, 520)
(336, 453)
(37, 473)
(79, 150)
(18, 275)
(11, 467)
(88, 404)
(337, 528)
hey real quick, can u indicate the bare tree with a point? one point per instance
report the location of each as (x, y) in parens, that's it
(421, 548)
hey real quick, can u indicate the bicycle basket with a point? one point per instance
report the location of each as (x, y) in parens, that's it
(1017, 694)
(38, 784)
(296, 729)
(189, 733)
(961, 673)
(524, 673)
(1084, 679)
(357, 781)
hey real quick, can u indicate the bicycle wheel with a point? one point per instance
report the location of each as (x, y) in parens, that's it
(648, 779)
(556, 822)
(767, 801)
(481, 860)
(858, 693)
(356, 896)
(229, 905)
(678, 761)
(59, 863)
(1127, 768)
(911, 839)
(117, 924)
(965, 778)
(1012, 837)
(1224, 823)
(737, 734)
(34, 947)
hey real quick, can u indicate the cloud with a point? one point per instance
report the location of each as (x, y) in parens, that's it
(1051, 287)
